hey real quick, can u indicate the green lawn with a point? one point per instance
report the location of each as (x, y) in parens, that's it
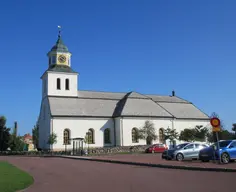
(13, 179)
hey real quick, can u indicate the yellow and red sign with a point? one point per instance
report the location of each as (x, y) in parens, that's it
(215, 122)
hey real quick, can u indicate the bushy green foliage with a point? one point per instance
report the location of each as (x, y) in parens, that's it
(147, 132)
(4, 134)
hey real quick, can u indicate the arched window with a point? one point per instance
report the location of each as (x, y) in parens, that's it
(107, 136)
(67, 84)
(135, 135)
(66, 137)
(161, 135)
(58, 83)
(90, 136)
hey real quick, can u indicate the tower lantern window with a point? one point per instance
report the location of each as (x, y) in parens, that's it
(53, 59)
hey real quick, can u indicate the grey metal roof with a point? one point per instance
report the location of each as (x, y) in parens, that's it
(110, 104)
(62, 106)
(184, 110)
(61, 68)
(143, 107)
(169, 99)
(60, 46)
(100, 95)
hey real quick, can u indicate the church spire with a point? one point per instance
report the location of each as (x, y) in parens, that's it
(59, 31)
(59, 53)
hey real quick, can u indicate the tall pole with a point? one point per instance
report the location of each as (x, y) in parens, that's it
(218, 146)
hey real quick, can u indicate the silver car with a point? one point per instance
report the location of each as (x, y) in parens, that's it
(190, 151)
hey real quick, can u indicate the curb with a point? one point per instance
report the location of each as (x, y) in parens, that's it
(154, 165)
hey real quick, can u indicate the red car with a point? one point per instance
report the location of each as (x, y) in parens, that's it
(156, 148)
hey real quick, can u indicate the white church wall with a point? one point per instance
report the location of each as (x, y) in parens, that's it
(130, 123)
(179, 125)
(52, 84)
(44, 124)
(78, 128)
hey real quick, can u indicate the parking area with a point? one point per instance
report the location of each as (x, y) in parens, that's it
(156, 159)
(60, 175)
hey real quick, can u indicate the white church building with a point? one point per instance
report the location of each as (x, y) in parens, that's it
(108, 118)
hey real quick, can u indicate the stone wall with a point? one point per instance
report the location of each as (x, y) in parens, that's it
(123, 149)
(91, 151)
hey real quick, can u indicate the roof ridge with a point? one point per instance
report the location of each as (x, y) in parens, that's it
(164, 109)
(121, 103)
(183, 99)
(102, 91)
(134, 92)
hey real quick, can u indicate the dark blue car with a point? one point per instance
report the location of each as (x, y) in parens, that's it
(227, 152)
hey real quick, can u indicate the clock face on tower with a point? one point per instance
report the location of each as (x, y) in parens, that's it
(62, 59)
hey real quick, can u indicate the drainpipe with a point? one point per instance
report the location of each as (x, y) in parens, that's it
(122, 132)
(173, 123)
(51, 130)
(114, 122)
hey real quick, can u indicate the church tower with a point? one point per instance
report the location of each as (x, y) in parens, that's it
(59, 79)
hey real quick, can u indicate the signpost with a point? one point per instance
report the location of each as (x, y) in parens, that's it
(215, 123)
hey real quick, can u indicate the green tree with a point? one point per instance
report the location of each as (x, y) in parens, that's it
(35, 134)
(222, 135)
(171, 134)
(52, 139)
(187, 135)
(4, 134)
(200, 133)
(234, 128)
(148, 132)
(16, 142)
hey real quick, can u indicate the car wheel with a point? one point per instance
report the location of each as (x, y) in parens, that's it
(225, 158)
(179, 157)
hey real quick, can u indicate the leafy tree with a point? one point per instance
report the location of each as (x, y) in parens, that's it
(223, 135)
(171, 134)
(35, 134)
(148, 132)
(200, 133)
(16, 142)
(86, 138)
(4, 134)
(187, 135)
(234, 128)
(52, 139)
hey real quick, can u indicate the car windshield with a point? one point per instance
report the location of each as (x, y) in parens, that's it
(181, 145)
(222, 144)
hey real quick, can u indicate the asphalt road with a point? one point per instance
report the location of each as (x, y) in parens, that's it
(60, 175)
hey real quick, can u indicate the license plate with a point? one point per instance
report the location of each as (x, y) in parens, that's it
(205, 155)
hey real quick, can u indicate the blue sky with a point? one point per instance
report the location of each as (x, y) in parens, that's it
(149, 46)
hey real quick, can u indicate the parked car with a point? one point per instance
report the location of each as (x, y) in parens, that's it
(227, 152)
(156, 148)
(168, 154)
(190, 151)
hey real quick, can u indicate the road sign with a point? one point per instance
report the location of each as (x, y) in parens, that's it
(216, 129)
(215, 122)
